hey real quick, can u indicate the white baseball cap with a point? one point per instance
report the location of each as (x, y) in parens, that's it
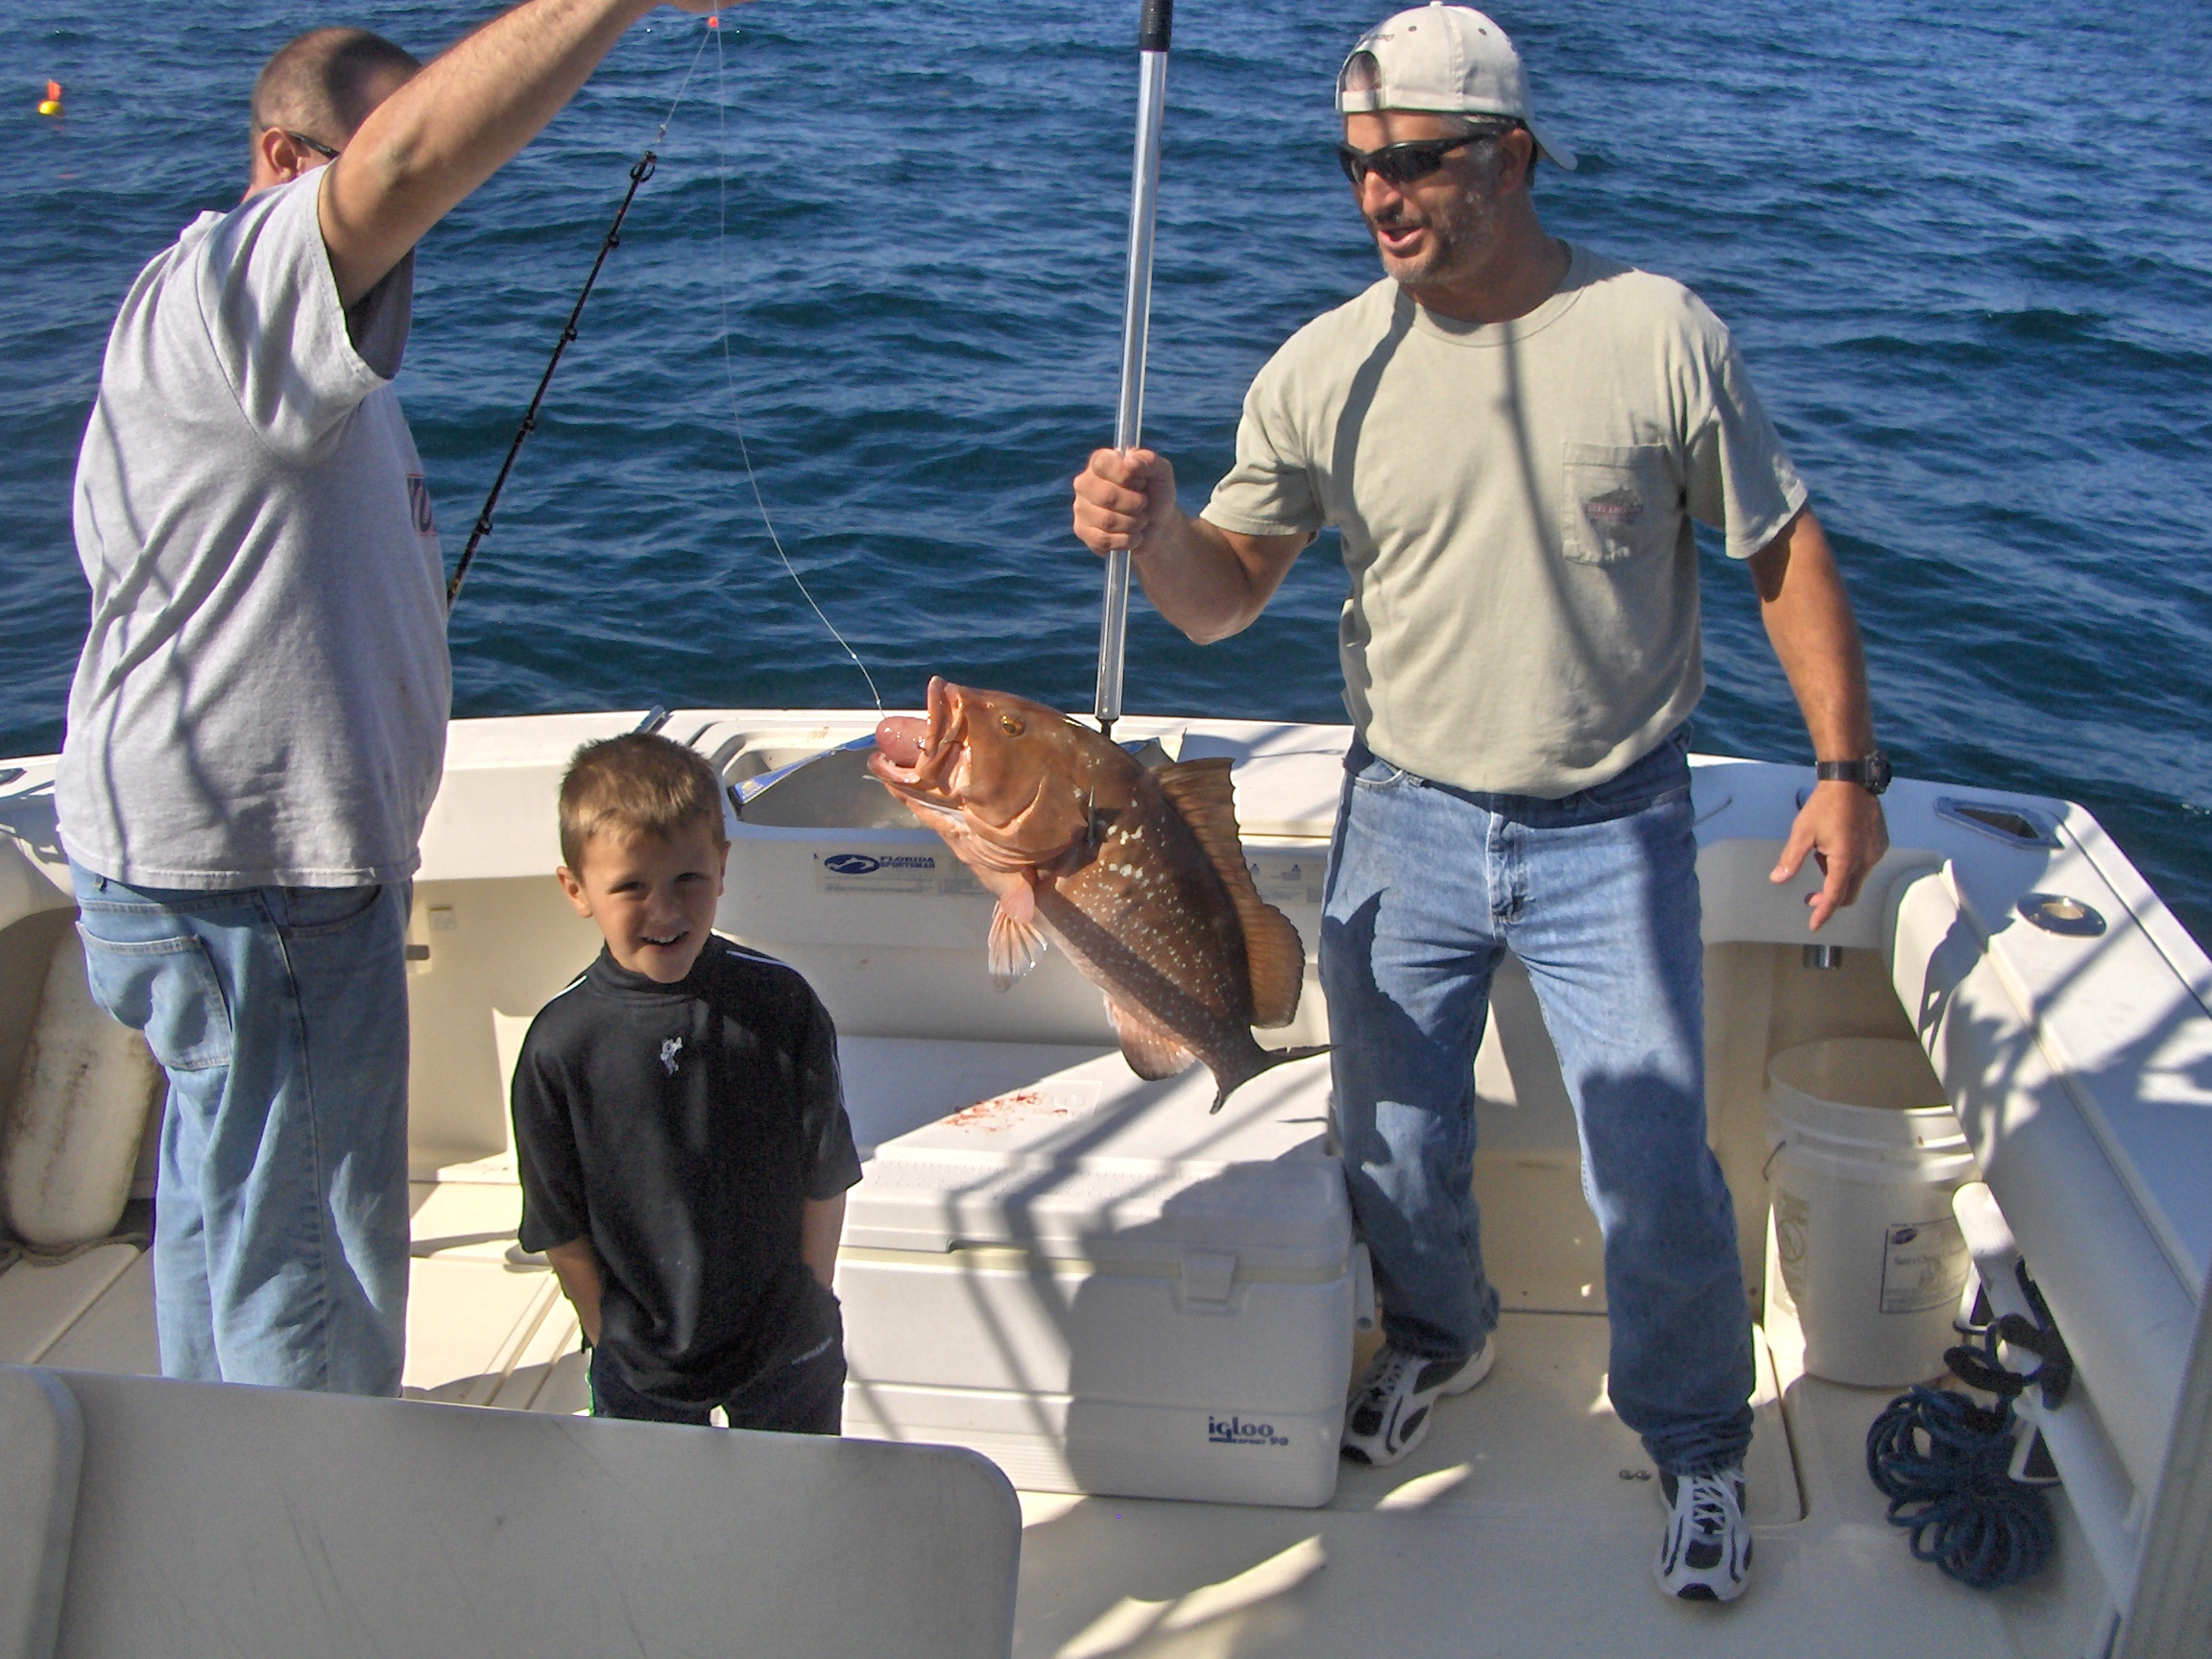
(1448, 59)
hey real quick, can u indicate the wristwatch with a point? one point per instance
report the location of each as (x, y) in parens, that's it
(1872, 774)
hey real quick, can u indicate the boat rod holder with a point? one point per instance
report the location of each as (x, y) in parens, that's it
(1155, 23)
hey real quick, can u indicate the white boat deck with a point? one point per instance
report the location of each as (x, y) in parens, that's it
(1527, 1523)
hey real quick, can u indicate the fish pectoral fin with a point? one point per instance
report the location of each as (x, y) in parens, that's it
(1151, 1050)
(1274, 955)
(1015, 944)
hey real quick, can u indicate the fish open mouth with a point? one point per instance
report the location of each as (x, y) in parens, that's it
(917, 757)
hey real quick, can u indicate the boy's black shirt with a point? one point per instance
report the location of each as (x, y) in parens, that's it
(679, 1127)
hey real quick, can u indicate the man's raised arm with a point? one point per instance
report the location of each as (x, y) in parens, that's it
(453, 126)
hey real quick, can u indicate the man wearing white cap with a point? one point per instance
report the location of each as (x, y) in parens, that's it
(1513, 437)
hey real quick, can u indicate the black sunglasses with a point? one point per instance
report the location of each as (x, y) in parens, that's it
(1403, 164)
(321, 149)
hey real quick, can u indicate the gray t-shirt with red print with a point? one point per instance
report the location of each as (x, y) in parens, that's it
(263, 692)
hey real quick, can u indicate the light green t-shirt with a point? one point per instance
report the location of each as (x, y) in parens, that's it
(1515, 503)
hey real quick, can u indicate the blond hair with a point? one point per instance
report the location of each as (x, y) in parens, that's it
(637, 784)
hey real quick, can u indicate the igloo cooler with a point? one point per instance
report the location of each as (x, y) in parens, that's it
(1091, 1280)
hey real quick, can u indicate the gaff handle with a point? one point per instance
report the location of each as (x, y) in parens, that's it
(1155, 22)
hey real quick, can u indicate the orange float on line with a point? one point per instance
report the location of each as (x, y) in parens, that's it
(51, 106)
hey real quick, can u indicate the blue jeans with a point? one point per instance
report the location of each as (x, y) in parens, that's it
(280, 1207)
(1596, 894)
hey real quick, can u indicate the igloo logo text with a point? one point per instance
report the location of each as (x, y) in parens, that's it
(1233, 1430)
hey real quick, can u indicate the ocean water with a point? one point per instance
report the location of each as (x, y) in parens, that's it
(1966, 249)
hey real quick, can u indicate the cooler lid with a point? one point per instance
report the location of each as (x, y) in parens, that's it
(1064, 1151)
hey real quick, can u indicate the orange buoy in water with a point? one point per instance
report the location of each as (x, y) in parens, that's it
(51, 104)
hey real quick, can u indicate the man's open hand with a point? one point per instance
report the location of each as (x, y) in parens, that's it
(1841, 825)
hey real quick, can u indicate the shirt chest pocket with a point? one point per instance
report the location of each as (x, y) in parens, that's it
(1618, 501)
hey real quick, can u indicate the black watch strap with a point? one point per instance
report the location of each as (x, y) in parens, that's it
(1871, 773)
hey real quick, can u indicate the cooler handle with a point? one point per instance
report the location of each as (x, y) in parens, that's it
(1209, 1278)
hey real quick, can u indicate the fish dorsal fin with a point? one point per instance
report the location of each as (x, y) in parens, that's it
(1200, 792)
(1151, 1050)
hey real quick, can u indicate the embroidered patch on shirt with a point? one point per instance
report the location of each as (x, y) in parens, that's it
(1616, 507)
(669, 1051)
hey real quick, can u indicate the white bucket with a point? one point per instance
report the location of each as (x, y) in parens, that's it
(1866, 1155)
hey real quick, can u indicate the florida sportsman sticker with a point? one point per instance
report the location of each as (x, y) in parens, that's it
(875, 872)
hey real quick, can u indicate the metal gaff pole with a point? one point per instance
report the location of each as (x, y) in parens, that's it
(1154, 24)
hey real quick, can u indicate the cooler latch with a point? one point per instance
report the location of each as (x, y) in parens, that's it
(1208, 1278)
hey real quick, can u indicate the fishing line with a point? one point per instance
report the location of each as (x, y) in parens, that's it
(638, 173)
(729, 365)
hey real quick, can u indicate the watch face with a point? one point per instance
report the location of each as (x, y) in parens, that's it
(1877, 766)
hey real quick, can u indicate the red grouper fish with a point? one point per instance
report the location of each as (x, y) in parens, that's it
(1139, 876)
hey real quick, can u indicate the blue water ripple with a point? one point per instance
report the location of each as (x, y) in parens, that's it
(1978, 305)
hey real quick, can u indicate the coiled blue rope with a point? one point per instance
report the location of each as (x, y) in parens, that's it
(1944, 1464)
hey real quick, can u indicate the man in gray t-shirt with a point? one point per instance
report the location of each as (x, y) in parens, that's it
(257, 723)
(1512, 437)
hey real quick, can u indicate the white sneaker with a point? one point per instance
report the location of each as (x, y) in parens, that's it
(1388, 1409)
(1706, 1555)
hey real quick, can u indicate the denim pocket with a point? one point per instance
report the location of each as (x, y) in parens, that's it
(167, 989)
(1617, 502)
(1659, 779)
(1380, 773)
(1621, 796)
(315, 912)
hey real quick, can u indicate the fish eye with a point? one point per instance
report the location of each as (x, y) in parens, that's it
(1012, 726)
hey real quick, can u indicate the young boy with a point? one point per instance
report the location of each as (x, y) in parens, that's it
(679, 1121)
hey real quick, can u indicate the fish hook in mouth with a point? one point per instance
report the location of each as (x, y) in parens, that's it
(919, 754)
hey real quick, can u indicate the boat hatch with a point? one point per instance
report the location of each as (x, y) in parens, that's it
(2010, 825)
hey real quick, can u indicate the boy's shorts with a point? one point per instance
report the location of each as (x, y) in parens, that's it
(801, 1390)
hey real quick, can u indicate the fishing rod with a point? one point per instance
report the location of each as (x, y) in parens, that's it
(638, 173)
(1155, 23)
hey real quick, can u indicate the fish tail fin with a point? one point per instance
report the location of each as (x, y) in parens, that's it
(1268, 1059)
